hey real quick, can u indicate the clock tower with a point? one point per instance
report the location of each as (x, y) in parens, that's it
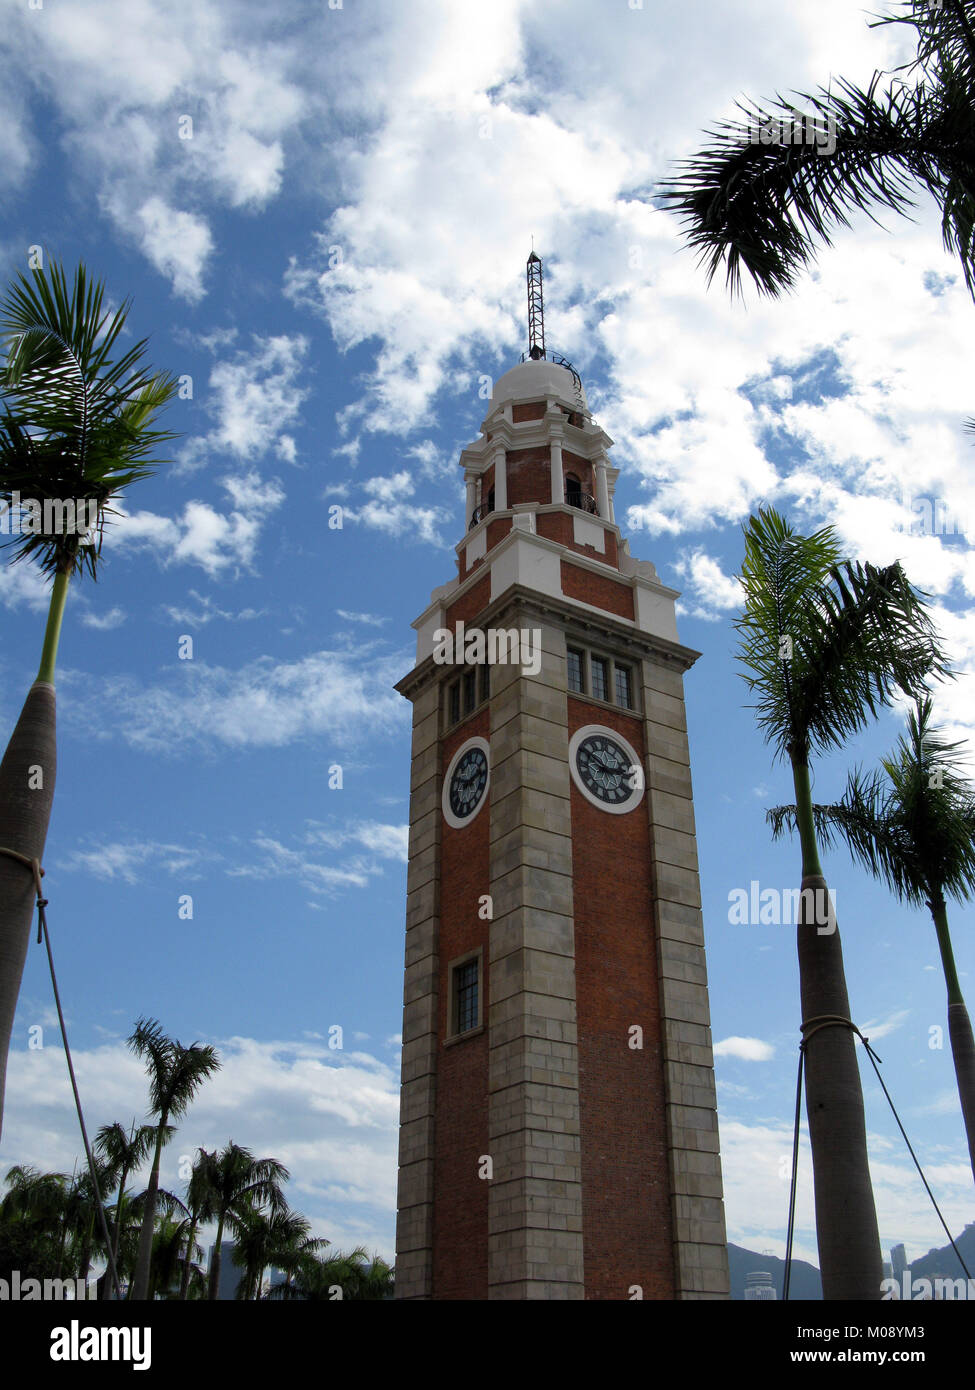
(558, 1127)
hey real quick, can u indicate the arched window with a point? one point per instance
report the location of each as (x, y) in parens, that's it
(573, 490)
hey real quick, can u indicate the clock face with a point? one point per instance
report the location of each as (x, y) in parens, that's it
(466, 782)
(606, 769)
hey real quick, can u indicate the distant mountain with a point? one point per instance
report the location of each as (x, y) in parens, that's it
(944, 1261)
(804, 1281)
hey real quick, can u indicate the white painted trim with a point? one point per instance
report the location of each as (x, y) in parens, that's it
(459, 822)
(637, 793)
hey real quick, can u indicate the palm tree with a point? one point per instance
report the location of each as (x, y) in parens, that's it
(83, 1209)
(199, 1204)
(240, 1183)
(765, 205)
(74, 433)
(175, 1075)
(913, 825)
(826, 642)
(33, 1228)
(270, 1238)
(124, 1153)
(351, 1277)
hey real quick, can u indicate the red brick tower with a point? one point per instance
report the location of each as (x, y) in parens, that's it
(559, 1133)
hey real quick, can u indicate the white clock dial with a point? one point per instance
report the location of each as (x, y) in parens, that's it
(466, 782)
(606, 769)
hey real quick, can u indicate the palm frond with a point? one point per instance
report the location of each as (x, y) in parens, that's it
(912, 823)
(825, 643)
(766, 208)
(75, 422)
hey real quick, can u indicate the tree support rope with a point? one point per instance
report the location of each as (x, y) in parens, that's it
(34, 866)
(808, 1029)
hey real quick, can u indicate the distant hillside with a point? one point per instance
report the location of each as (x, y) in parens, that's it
(944, 1261)
(804, 1283)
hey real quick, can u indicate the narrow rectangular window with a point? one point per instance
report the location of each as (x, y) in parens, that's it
(485, 682)
(465, 996)
(454, 702)
(624, 694)
(598, 667)
(470, 690)
(575, 671)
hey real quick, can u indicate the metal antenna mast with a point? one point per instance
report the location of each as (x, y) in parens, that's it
(536, 309)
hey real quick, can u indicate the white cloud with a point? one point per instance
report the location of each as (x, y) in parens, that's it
(254, 394)
(201, 535)
(267, 703)
(370, 619)
(746, 1049)
(714, 591)
(882, 1027)
(388, 841)
(332, 1118)
(278, 861)
(130, 861)
(23, 583)
(104, 622)
(206, 610)
(178, 244)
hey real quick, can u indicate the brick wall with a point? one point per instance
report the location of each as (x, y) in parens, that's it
(597, 589)
(469, 605)
(460, 1212)
(529, 475)
(627, 1228)
(529, 410)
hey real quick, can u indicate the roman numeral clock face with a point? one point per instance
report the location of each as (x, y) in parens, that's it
(466, 783)
(606, 769)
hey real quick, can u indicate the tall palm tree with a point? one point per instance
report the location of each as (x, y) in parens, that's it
(913, 825)
(270, 1238)
(199, 1204)
(74, 434)
(240, 1183)
(176, 1073)
(83, 1210)
(824, 644)
(763, 205)
(125, 1153)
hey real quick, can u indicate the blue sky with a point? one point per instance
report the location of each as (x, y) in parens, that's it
(332, 248)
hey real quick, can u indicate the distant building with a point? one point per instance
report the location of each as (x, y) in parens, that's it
(230, 1274)
(898, 1260)
(759, 1287)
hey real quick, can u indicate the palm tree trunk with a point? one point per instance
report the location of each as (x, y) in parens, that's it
(109, 1292)
(959, 1027)
(215, 1263)
(27, 775)
(184, 1283)
(143, 1262)
(846, 1220)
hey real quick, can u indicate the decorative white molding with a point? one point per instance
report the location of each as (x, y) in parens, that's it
(586, 532)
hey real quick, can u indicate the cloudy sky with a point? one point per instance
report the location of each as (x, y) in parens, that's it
(322, 218)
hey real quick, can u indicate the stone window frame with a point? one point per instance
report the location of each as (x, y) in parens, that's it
(482, 695)
(453, 966)
(601, 654)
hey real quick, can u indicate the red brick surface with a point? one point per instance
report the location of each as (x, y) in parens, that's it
(460, 1210)
(597, 589)
(625, 1182)
(529, 410)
